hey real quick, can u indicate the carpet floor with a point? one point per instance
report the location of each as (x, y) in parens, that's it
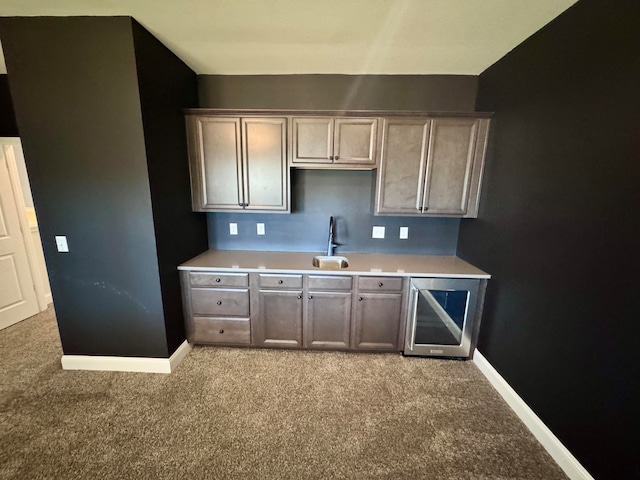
(229, 413)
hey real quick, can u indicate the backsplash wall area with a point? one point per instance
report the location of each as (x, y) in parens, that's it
(317, 195)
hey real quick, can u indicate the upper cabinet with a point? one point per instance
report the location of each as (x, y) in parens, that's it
(431, 166)
(333, 142)
(238, 164)
(427, 164)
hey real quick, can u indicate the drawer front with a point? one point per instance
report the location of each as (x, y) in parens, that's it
(380, 284)
(220, 301)
(219, 279)
(222, 330)
(268, 280)
(326, 282)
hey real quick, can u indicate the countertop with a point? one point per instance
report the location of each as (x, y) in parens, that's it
(445, 266)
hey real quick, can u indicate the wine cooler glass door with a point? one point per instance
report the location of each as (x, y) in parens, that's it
(441, 317)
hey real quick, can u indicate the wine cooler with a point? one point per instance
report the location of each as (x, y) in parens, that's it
(443, 316)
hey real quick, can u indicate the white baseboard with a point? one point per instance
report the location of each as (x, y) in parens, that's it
(563, 457)
(126, 364)
(48, 298)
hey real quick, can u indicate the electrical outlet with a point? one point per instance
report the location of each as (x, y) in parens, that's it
(233, 229)
(404, 233)
(377, 232)
(61, 243)
(260, 228)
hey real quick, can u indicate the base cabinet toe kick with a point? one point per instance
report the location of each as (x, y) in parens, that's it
(418, 316)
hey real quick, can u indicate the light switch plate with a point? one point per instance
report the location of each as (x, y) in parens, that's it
(377, 232)
(260, 228)
(404, 233)
(233, 229)
(61, 243)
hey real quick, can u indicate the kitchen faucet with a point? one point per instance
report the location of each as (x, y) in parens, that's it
(332, 245)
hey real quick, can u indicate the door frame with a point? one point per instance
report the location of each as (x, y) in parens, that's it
(8, 144)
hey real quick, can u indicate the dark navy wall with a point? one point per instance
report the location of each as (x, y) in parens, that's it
(80, 109)
(180, 233)
(8, 126)
(347, 195)
(447, 93)
(558, 230)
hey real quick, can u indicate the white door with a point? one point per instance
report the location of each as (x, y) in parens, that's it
(17, 293)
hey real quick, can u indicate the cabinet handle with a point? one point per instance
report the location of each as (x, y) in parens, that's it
(380, 284)
(221, 331)
(217, 280)
(219, 302)
(360, 299)
(337, 157)
(279, 282)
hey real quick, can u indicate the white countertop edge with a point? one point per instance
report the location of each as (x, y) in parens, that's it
(332, 272)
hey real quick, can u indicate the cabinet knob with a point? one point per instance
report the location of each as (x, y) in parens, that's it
(279, 282)
(221, 331)
(337, 157)
(217, 280)
(310, 297)
(360, 299)
(299, 297)
(380, 284)
(219, 302)
(330, 157)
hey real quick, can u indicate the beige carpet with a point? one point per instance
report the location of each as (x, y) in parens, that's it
(255, 414)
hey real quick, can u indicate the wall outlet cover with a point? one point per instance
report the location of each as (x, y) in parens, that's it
(260, 228)
(377, 232)
(233, 229)
(404, 233)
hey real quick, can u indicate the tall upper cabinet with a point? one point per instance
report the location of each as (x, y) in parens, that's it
(238, 164)
(431, 166)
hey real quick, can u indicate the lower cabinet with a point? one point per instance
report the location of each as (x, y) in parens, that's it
(279, 319)
(332, 312)
(217, 308)
(378, 314)
(327, 320)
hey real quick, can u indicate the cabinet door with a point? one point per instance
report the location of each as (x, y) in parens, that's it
(215, 163)
(452, 147)
(377, 321)
(264, 148)
(355, 141)
(279, 320)
(327, 320)
(401, 171)
(312, 140)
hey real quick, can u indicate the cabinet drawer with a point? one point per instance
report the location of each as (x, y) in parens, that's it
(219, 279)
(220, 301)
(382, 284)
(221, 330)
(325, 282)
(269, 280)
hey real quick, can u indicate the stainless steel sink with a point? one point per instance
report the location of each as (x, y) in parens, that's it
(330, 262)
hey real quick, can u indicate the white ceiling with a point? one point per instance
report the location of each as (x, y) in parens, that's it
(323, 36)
